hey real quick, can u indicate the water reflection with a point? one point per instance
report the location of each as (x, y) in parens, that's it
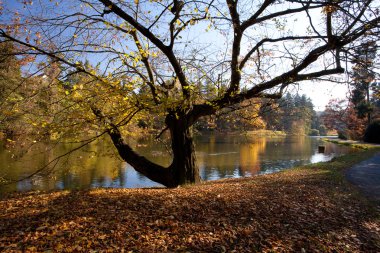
(219, 156)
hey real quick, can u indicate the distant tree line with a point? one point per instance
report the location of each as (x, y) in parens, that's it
(294, 114)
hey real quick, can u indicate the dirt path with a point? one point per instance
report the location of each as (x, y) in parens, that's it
(366, 175)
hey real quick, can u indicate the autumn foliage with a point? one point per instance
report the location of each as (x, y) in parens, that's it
(341, 116)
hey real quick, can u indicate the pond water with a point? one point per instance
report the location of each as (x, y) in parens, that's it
(218, 156)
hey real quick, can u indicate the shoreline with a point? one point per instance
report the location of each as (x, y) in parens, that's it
(352, 143)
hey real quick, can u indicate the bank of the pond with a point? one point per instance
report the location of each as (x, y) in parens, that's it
(352, 143)
(256, 133)
(306, 209)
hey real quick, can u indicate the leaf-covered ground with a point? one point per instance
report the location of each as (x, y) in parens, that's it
(302, 210)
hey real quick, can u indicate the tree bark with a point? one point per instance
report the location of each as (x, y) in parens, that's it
(184, 166)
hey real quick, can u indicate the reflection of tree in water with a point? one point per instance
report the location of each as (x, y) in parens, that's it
(233, 157)
(250, 156)
(122, 178)
(291, 147)
(94, 165)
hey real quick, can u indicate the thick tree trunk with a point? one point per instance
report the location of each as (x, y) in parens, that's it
(149, 169)
(183, 169)
(184, 166)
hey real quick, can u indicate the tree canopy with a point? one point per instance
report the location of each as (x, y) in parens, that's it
(156, 56)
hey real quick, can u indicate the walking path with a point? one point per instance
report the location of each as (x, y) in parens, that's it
(366, 175)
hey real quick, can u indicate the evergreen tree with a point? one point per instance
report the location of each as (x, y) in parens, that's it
(292, 114)
(363, 77)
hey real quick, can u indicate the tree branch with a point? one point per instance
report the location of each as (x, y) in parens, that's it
(255, 20)
(150, 36)
(141, 164)
(235, 70)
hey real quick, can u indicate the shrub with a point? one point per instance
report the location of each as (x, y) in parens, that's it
(372, 133)
(322, 130)
(342, 135)
(142, 124)
(314, 132)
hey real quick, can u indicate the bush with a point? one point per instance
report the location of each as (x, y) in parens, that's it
(342, 135)
(372, 133)
(314, 132)
(322, 130)
(142, 124)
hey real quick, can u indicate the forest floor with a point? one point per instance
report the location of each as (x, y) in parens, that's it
(306, 209)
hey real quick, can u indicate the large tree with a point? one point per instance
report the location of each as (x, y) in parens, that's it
(152, 56)
(363, 77)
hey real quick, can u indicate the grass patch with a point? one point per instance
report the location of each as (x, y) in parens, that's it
(337, 166)
(354, 144)
(345, 161)
(265, 133)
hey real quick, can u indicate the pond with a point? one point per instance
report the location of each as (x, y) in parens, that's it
(218, 155)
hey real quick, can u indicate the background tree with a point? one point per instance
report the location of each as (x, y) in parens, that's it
(293, 114)
(161, 47)
(23, 100)
(10, 78)
(363, 80)
(340, 115)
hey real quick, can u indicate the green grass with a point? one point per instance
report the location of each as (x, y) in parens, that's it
(337, 166)
(336, 172)
(354, 144)
(265, 133)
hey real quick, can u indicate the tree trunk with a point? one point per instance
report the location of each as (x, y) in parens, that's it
(368, 103)
(184, 166)
(183, 169)
(149, 169)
